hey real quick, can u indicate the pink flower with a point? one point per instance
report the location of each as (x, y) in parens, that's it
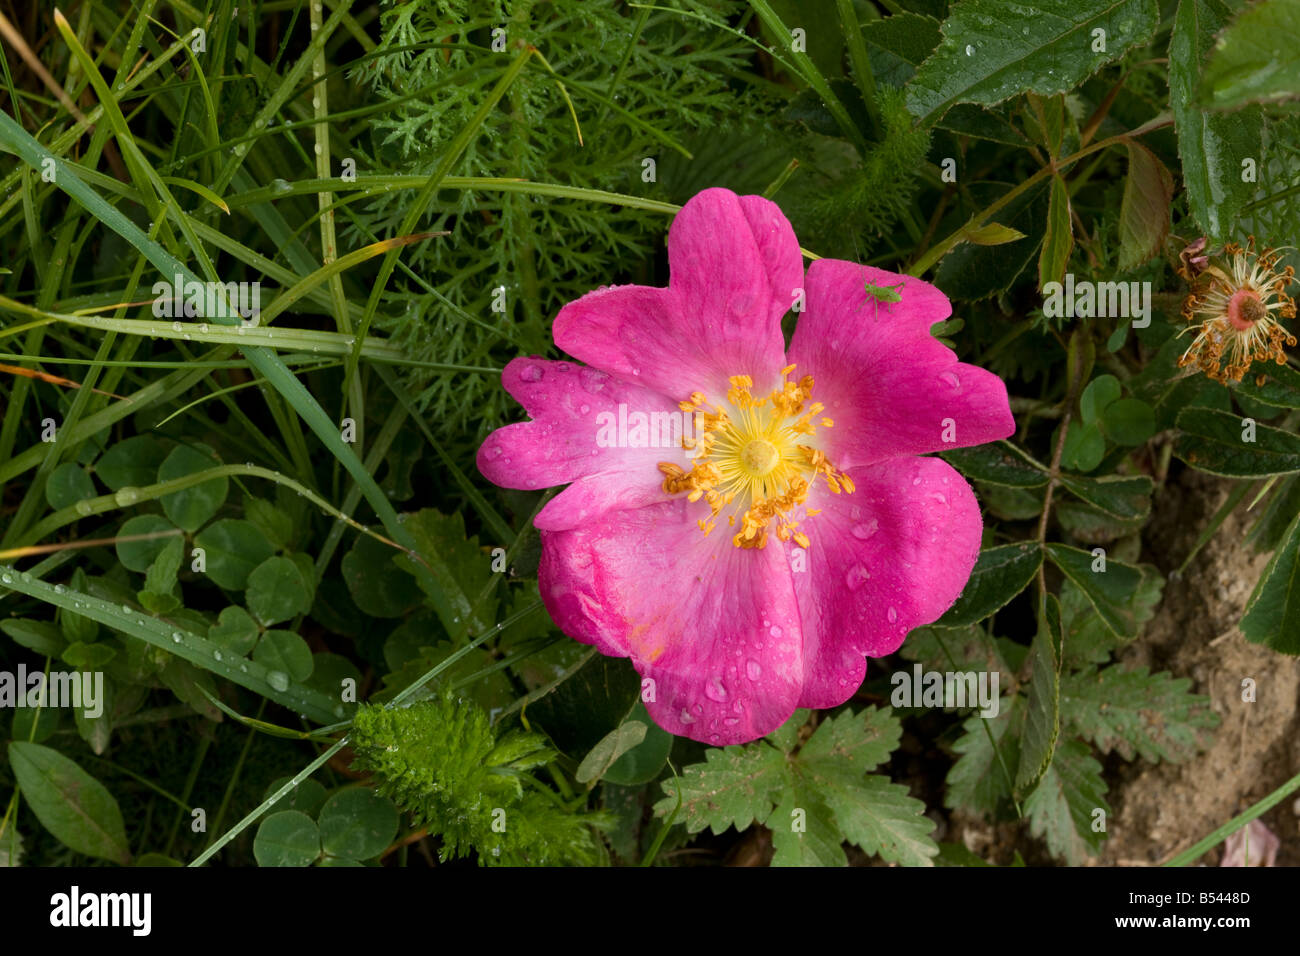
(754, 571)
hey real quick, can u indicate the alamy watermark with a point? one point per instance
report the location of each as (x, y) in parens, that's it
(188, 299)
(645, 429)
(1090, 300)
(82, 690)
(922, 688)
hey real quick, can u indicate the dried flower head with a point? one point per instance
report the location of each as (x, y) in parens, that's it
(1235, 307)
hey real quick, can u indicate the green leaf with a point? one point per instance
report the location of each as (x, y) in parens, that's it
(998, 463)
(287, 838)
(460, 568)
(1273, 611)
(1281, 386)
(77, 627)
(588, 705)
(278, 591)
(1123, 496)
(70, 803)
(610, 747)
(1043, 711)
(285, 652)
(999, 575)
(1085, 447)
(89, 657)
(992, 51)
(804, 829)
(1110, 585)
(67, 485)
(39, 636)
(974, 272)
(233, 548)
(1133, 712)
(979, 781)
(1255, 59)
(1211, 146)
(160, 579)
(733, 787)
(643, 762)
(235, 630)
(308, 796)
(1100, 392)
(275, 521)
(1058, 241)
(1212, 441)
(131, 462)
(357, 824)
(191, 507)
(378, 586)
(1128, 421)
(1061, 809)
(138, 555)
(1144, 210)
(869, 811)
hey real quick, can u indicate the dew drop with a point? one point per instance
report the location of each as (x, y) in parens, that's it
(753, 670)
(686, 716)
(176, 638)
(865, 530)
(892, 614)
(281, 186)
(855, 576)
(531, 373)
(950, 379)
(278, 680)
(714, 690)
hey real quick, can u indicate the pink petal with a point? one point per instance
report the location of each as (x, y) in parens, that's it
(890, 388)
(715, 627)
(735, 269)
(892, 556)
(564, 441)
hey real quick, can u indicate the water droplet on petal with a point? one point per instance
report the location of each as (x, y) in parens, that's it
(855, 576)
(714, 690)
(753, 670)
(531, 373)
(865, 530)
(950, 379)
(892, 614)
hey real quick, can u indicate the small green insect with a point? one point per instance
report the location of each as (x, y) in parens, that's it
(882, 293)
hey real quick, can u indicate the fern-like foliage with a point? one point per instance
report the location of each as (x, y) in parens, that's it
(639, 86)
(440, 760)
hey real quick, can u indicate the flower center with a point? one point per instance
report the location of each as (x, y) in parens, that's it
(1245, 309)
(756, 457)
(760, 457)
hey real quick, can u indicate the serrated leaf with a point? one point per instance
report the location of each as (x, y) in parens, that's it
(1212, 441)
(1255, 60)
(978, 781)
(1058, 240)
(1123, 496)
(1133, 712)
(1211, 146)
(75, 807)
(460, 571)
(1144, 210)
(992, 51)
(1281, 386)
(881, 818)
(1043, 709)
(1273, 610)
(998, 463)
(999, 575)
(733, 787)
(1061, 808)
(1111, 592)
(804, 830)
